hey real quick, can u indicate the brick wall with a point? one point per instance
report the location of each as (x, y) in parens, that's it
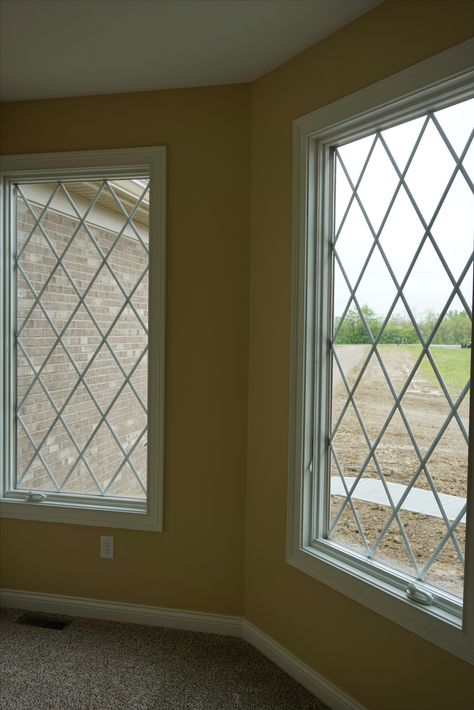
(81, 338)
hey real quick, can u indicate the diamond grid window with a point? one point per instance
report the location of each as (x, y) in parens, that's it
(81, 259)
(400, 345)
(380, 450)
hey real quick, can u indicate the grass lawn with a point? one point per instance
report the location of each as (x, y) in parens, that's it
(453, 364)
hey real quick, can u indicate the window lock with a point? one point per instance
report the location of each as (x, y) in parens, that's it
(35, 497)
(419, 595)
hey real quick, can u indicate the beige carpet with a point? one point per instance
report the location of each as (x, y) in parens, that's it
(103, 665)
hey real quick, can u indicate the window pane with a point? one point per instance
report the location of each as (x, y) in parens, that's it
(81, 336)
(404, 219)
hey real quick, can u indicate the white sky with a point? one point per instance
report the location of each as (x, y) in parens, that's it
(428, 286)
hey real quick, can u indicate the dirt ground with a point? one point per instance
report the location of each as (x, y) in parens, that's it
(426, 408)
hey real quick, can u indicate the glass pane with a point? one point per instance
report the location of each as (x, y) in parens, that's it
(400, 415)
(82, 335)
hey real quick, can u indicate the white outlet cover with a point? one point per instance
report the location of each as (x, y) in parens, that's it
(107, 547)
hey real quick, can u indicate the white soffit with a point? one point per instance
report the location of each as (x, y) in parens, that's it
(55, 48)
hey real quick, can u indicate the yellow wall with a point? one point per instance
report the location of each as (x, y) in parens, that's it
(374, 660)
(197, 563)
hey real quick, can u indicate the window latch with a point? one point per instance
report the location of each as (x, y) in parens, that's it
(35, 497)
(419, 595)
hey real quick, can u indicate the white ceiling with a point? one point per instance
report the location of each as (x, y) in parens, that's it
(52, 48)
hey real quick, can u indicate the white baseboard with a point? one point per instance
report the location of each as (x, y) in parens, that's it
(189, 621)
(304, 674)
(129, 613)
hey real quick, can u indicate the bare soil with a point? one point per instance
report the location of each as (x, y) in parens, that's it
(426, 408)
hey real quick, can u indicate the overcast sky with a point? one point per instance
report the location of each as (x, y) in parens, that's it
(428, 286)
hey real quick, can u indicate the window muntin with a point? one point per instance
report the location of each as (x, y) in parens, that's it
(81, 268)
(402, 259)
(137, 177)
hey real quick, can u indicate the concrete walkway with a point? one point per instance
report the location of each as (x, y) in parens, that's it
(418, 500)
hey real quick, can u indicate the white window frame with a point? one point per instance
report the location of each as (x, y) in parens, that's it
(434, 83)
(88, 510)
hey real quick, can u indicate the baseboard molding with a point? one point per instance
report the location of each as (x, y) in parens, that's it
(304, 674)
(189, 621)
(129, 613)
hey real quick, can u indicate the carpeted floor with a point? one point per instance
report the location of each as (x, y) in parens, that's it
(104, 665)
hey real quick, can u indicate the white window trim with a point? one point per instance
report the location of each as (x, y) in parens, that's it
(86, 510)
(448, 73)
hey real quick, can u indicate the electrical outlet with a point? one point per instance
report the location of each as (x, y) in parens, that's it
(107, 547)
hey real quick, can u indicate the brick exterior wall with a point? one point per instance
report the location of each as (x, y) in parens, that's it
(127, 339)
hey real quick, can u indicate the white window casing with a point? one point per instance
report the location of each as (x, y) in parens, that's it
(33, 173)
(429, 86)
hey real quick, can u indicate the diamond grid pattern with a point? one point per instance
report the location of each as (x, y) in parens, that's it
(378, 148)
(67, 468)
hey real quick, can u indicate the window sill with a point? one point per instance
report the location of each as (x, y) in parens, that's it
(128, 515)
(438, 626)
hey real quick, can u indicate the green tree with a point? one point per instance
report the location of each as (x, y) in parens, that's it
(353, 330)
(454, 329)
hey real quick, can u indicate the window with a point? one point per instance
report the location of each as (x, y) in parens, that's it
(83, 424)
(379, 504)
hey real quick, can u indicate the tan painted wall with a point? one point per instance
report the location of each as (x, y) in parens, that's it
(197, 563)
(374, 660)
